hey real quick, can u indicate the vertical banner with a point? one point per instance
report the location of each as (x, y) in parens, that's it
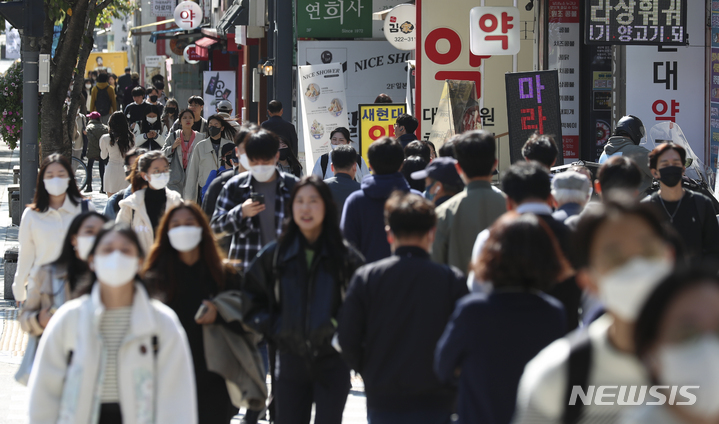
(376, 121)
(458, 111)
(563, 42)
(533, 106)
(218, 86)
(714, 92)
(321, 89)
(597, 101)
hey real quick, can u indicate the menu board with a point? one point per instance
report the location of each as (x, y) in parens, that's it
(632, 22)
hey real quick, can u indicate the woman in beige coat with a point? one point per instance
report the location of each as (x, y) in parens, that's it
(53, 284)
(150, 197)
(206, 156)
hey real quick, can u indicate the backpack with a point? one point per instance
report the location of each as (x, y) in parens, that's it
(102, 101)
(325, 159)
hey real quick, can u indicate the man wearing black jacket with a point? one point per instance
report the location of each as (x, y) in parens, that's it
(279, 126)
(394, 314)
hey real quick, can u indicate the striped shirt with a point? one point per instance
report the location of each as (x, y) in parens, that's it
(114, 325)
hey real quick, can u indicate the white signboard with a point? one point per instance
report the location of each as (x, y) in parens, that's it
(400, 27)
(188, 15)
(189, 49)
(162, 8)
(12, 43)
(218, 86)
(154, 61)
(323, 106)
(369, 68)
(494, 31)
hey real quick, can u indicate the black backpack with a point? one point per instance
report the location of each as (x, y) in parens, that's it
(325, 159)
(102, 101)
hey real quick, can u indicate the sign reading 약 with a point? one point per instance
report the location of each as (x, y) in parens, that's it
(377, 121)
(188, 15)
(656, 22)
(494, 31)
(533, 106)
(334, 19)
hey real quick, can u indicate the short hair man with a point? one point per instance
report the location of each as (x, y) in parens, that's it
(102, 98)
(395, 312)
(362, 217)
(153, 98)
(123, 81)
(279, 126)
(691, 213)
(463, 216)
(571, 191)
(134, 82)
(196, 104)
(404, 129)
(251, 223)
(441, 180)
(625, 142)
(418, 148)
(541, 148)
(344, 167)
(135, 111)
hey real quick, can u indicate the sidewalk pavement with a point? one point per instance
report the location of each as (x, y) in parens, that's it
(13, 396)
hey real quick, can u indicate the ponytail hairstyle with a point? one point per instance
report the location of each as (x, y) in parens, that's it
(143, 164)
(120, 132)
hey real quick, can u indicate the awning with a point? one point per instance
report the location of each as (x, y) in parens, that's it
(235, 15)
(205, 42)
(173, 33)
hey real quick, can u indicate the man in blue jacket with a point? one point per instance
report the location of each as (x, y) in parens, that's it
(363, 214)
(393, 316)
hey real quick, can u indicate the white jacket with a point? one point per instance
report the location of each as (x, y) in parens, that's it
(202, 160)
(140, 139)
(154, 388)
(362, 169)
(40, 238)
(134, 213)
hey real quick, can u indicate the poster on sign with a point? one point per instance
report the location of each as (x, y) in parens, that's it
(494, 31)
(323, 107)
(377, 121)
(218, 86)
(533, 106)
(458, 111)
(657, 22)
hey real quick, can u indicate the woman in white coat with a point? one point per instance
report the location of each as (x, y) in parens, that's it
(150, 197)
(113, 355)
(206, 156)
(114, 146)
(338, 137)
(45, 222)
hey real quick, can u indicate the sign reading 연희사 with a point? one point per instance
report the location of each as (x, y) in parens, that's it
(377, 121)
(533, 106)
(656, 22)
(334, 18)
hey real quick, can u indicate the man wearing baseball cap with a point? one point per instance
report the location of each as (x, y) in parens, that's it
(224, 109)
(441, 180)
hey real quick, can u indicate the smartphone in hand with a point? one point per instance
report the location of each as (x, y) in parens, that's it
(257, 197)
(202, 311)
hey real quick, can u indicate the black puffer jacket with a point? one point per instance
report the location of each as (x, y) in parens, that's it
(299, 312)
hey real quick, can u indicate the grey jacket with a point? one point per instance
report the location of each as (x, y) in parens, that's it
(624, 146)
(177, 172)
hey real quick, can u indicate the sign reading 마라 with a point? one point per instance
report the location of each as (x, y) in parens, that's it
(656, 22)
(377, 121)
(533, 106)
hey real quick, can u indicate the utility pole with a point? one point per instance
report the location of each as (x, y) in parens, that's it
(28, 17)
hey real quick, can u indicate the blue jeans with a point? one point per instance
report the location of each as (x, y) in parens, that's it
(426, 416)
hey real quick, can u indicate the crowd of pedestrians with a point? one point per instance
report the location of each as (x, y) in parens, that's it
(457, 292)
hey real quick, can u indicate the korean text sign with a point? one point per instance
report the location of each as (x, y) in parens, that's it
(494, 31)
(636, 22)
(334, 18)
(377, 121)
(533, 106)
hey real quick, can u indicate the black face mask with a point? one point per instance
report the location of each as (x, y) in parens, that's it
(284, 154)
(171, 110)
(671, 175)
(153, 99)
(214, 131)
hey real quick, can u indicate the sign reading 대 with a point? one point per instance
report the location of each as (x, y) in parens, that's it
(533, 106)
(494, 31)
(377, 121)
(655, 22)
(188, 15)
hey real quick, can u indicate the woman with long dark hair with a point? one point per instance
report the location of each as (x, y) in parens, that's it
(53, 284)
(185, 270)
(114, 146)
(288, 163)
(150, 197)
(113, 355)
(178, 149)
(169, 115)
(149, 133)
(207, 156)
(45, 221)
(309, 269)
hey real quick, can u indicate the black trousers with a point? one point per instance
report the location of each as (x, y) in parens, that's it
(101, 164)
(110, 413)
(299, 383)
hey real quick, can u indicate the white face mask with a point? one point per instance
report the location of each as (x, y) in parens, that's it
(624, 290)
(244, 161)
(151, 120)
(56, 186)
(185, 238)
(88, 86)
(263, 173)
(116, 269)
(694, 363)
(84, 244)
(159, 181)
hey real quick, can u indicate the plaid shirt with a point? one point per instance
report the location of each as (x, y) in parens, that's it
(246, 233)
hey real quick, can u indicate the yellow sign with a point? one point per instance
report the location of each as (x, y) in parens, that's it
(113, 63)
(377, 121)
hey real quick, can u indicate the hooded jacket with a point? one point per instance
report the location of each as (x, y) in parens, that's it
(624, 146)
(363, 215)
(95, 129)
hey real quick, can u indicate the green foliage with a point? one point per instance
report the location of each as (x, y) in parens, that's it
(11, 105)
(116, 9)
